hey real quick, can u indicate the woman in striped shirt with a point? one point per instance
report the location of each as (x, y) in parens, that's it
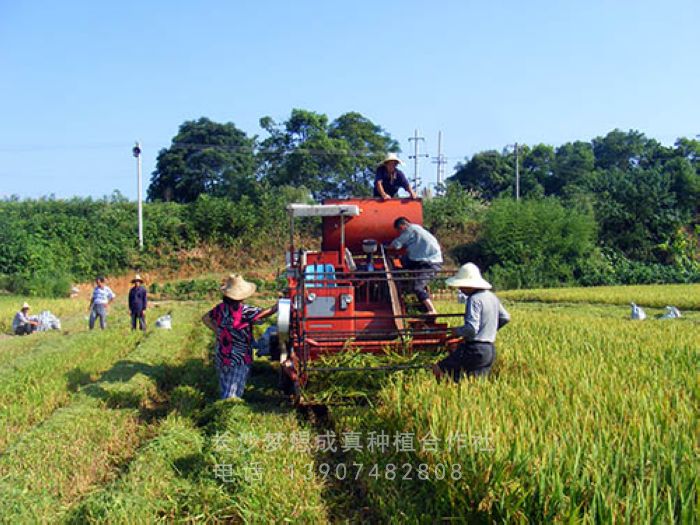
(232, 322)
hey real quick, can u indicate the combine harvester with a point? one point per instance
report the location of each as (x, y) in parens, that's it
(347, 296)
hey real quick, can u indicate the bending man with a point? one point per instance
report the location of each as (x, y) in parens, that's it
(483, 317)
(423, 255)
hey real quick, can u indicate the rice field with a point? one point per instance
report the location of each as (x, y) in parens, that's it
(683, 296)
(588, 417)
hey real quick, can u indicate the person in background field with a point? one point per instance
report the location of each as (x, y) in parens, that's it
(102, 296)
(22, 324)
(232, 322)
(423, 255)
(484, 315)
(389, 179)
(137, 303)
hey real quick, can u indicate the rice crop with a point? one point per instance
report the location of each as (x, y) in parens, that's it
(587, 417)
(11, 304)
(584, 420)
(683, 296)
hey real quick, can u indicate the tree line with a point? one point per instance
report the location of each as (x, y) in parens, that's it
(618, 209)
(643, 196)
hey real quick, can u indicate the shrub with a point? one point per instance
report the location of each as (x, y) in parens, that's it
(532, 243)
(609, 267)
(454, 210)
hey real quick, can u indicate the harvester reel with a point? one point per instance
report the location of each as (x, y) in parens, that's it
(284, 315)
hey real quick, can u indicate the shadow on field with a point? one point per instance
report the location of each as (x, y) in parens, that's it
(76, 378)
(153, 389)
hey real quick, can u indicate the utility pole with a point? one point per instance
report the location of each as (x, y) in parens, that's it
(415, 156)
(517, 174)
(137, 153)
(440, 161)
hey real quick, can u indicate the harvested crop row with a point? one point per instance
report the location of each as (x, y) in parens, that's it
(79, 446)
(263, 457)
(35, 384)
(160, 484)
(586, 420)
(234, 467)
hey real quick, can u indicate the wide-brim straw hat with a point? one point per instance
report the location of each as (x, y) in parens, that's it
(468, 276)
(136, 278)
(237, 288)
(25, 306)
(390, 157)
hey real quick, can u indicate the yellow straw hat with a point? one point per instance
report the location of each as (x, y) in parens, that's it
(237, 288)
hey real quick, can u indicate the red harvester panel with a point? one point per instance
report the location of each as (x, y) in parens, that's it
(376, 221)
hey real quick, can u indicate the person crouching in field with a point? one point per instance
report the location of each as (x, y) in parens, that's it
(232, 322)
(22, 324)
(483, 317)
(138, 302)
(101, 298)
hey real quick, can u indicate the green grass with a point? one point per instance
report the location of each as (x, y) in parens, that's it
(203, 465)
(36, 383)
(159, 484)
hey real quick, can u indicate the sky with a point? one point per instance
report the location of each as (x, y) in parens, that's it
(80, 81)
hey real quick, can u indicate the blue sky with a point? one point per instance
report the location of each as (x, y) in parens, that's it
(82, 80)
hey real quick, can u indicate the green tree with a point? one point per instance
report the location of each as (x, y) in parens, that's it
(537, 170)
(330, 159)
(453, 211)
(205, 157)
(620, 150)
(574, 164)
(368, 144)
(488, 172)
(636, 211)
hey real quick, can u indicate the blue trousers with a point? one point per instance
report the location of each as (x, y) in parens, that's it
(98, 310)
(232, 380)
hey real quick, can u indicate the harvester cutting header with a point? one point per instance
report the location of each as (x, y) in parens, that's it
(348, 296)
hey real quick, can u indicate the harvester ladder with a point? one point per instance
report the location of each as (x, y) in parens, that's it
(394, 295)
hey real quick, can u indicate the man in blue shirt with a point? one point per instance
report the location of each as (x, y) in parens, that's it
(423, 257)
(389, 179)
(102, 296)
(138, 302)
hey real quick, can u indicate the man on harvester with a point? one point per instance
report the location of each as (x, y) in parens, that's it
(389, 179)
(423, 257)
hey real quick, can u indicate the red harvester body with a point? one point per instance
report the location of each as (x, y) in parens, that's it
(348, 294)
